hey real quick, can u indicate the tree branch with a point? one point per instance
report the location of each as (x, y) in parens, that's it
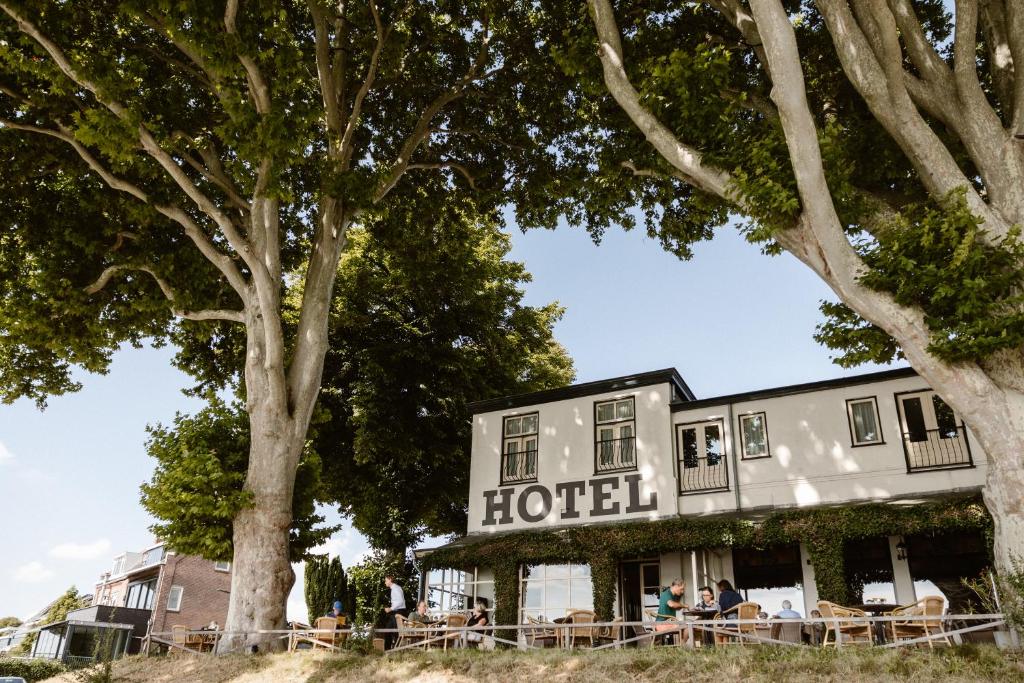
(209, 314)
(685, 159)
(220, 260)
(345, 148)
(448, 164)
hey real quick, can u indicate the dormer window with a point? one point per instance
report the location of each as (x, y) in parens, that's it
(615, 435)
(118, 566)
(519, 449)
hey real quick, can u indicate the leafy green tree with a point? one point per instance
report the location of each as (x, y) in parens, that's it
(197, 488)
(366, 580)
(169, 166)
(877, 141)
(324, 583)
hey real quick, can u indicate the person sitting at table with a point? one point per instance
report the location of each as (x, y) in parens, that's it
(787, 611)
(815, 631)
(478, 620)
(728, 598)
(668, 604)
(421, 616)
(709, 606)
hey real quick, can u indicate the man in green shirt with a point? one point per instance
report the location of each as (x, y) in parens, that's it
(668, 604)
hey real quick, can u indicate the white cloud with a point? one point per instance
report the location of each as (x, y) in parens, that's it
(5, 454)
(33, 572)
(81, 551)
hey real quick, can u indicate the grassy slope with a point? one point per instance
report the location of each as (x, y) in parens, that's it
(769, 665)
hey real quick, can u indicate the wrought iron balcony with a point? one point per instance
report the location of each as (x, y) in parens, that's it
(615, 455)
(937, 449)
(703, 474)
(519, 467)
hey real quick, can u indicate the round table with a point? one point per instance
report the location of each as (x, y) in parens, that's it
(876, 608)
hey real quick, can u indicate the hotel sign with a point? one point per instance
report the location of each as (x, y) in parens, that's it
(596, 497)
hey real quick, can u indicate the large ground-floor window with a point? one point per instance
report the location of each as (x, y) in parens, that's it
(550, 591)
(768, 576)
(458, 590)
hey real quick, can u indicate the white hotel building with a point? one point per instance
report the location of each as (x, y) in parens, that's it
(643, 447)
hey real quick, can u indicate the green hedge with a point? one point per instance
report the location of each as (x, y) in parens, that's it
(30, 669)
(822, 530)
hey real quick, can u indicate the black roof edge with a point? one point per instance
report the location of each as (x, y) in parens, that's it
(797, 388)
(643, 379)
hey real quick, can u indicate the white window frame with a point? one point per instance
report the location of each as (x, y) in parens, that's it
(767, 452)
(170, 596)
(854, 440)
(550, 610)
(521, 441)
(118, 566)
(616, 427)
(447, 585)
(221, 566)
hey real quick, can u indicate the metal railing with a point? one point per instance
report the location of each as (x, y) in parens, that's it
(936, 449)
(612, 455)
(702, 474)
(519, 467)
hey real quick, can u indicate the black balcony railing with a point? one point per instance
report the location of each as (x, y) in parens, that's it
(613, 455)
(702, 474)
(519, 467)
(937, 449)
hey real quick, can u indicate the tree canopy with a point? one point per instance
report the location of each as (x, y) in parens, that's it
(427, 317)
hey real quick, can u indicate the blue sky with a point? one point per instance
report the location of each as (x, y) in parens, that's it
(729, 320)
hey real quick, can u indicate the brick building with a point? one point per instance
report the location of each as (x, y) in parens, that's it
(173, 589)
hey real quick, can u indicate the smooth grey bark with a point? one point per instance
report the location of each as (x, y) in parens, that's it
(989, 395)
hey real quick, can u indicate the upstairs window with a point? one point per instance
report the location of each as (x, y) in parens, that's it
(519, 449)
(140, 595)
(754, 436)
(864, 423)
(222, 566)
(152, 556)
(118, 567)
(615, 435)
(701, 451)
(174, 598)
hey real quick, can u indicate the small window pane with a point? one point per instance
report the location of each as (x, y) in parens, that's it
(605, 412)
(607, 434)
(712, 444)
(529, 425)
(754, 438)
(944, 418)
(513, 426)
(624, 410)
(913, 414)
(865, 424)
(689, 448)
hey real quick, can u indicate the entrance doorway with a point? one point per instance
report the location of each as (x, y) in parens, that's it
(639, 588)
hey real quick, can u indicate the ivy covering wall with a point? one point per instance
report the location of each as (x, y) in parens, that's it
(822, 530)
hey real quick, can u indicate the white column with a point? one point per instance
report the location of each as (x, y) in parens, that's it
(903, 583)
(810, 586)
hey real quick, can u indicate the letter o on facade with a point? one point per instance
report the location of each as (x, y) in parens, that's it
(524, 499)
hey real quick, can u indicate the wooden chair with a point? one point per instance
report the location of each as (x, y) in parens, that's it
(180, 637)
(611, 634)
(455, 621)
(542, 631)
(744, 610)
(931, 607)
(407, 633)
(300, 633)
(663, 635)
(321, 638)
(577, 632)
(855, 632)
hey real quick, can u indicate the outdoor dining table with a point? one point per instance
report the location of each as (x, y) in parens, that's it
(707, 635)
(875, 609)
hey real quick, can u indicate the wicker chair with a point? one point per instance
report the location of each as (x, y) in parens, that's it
(854, 632)
(542, 632)
(663, 635)
(611, 634)
(455, 621)
(744, 610)
(321, 638)
(577, 632)
(931, 607)
(180, 637)
(788, 632)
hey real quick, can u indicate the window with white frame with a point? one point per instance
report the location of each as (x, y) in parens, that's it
(222, 566)
(550, 591)
(174, 598)
(865, 427)
(152, 556)
(754, 436)
(615, 435)
(118, 566)
(458, 590)
(519, 448)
